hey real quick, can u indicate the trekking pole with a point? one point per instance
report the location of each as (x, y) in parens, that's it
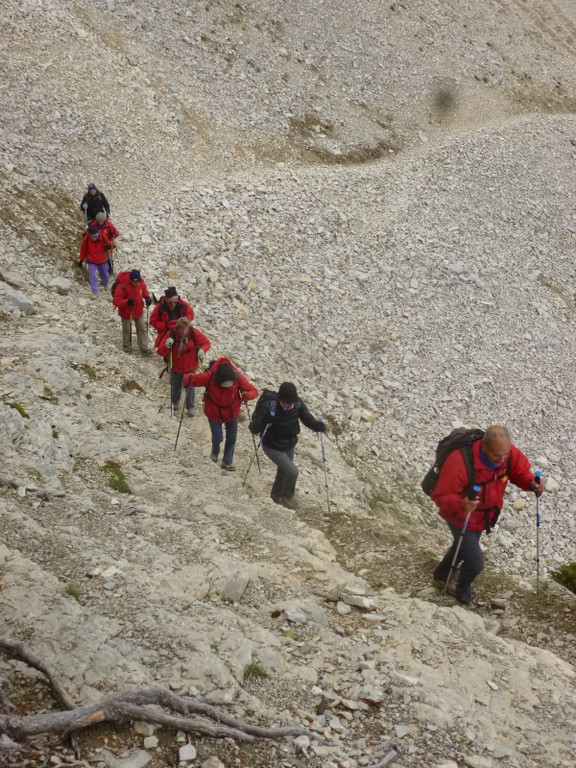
(255, 456)
(538, 476)
(171, 386)
(472, 496)
(325, 471)
(180, 424)
(253, 440)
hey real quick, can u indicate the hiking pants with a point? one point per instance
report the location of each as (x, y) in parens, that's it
(230, 444)
(103, 270)
(284, 484)
(141, 334)
(470, 557)
(176, 387)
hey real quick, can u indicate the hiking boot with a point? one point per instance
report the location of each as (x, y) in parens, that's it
(146, 352)
(450, 589)
(289, 502)
(128, 350)
(228, 467)
(276, 500)
(191, 412)
(464, 594)
(214, 456)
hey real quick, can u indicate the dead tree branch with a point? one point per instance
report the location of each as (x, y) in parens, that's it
(130, 705)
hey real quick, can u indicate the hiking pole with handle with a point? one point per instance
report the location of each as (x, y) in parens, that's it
(321, 434)
(253, 439)
(473, 495)
(538, 478)
(255, 455)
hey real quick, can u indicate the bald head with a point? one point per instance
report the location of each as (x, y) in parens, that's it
(496, 443)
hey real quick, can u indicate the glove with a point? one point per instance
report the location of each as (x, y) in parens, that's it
(148, 300)
(85, 206)
(321, 426)
(130, 302)
(200, 355)
(80, 263)
(253, 429)
(107, 246)
(169, 343)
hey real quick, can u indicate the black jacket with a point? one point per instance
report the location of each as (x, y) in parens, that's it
(284, 426)
(96, 204)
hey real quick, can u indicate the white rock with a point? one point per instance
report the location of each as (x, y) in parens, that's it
(187, 753)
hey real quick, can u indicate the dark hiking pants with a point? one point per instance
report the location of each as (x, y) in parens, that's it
(286, 473)
(470, 558)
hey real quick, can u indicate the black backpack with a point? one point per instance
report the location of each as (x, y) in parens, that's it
(266, 404)
(459, 439)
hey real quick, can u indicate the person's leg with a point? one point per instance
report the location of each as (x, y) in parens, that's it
(216, 430)
(126, 334)
(141, 335)
(103, 271)
(470, 559)
(471, 562)
(190, 397)
(92, 279)
(230, 444)
(176, 387)
(286, 473)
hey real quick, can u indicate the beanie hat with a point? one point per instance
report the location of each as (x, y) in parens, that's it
(101, 217)
(135, 276)
(92, 186)
(287, 392)
(225, 375)
(92, 230)
(170, 292)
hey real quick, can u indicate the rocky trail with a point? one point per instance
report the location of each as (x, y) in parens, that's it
(376, 206)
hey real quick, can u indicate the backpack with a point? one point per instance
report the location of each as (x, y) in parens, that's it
(265, 405)
(115, 283)
(459, 439)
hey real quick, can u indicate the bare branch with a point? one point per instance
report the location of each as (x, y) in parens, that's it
(16, 650)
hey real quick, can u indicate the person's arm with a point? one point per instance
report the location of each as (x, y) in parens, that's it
(450, 490)
(155, 320)
(316, 425)
(83, 248)
(196, 379)
(83, 203)
(247, 390)
(189, 313)
(520, 473)
(105, 203)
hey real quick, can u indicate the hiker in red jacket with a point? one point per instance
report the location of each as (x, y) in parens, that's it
(184, 348)
(496, 461)
(226, 390)
(169, 309)
(106, 228)
(93, 250)
(130, 295)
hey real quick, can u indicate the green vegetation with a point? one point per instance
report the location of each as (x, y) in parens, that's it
(214, 648)
(19, 408)
(254, 671)
(116, 479)
(55, 433)
(36, 474)
(74, 590)
(566, 575)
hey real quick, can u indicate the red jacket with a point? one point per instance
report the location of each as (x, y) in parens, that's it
(126, 290)
(183, 357)
(164, 320)
(108, 231)
(93, 251)
(222, 403)
(453, 482)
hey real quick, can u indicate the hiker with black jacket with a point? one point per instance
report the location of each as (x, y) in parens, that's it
(495, 461)
(94, 202)
(277, 418)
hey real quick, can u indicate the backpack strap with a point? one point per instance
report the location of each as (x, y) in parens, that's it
(468, 457)
(488, 526)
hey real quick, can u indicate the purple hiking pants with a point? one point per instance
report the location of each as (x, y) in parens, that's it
(104, 272)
